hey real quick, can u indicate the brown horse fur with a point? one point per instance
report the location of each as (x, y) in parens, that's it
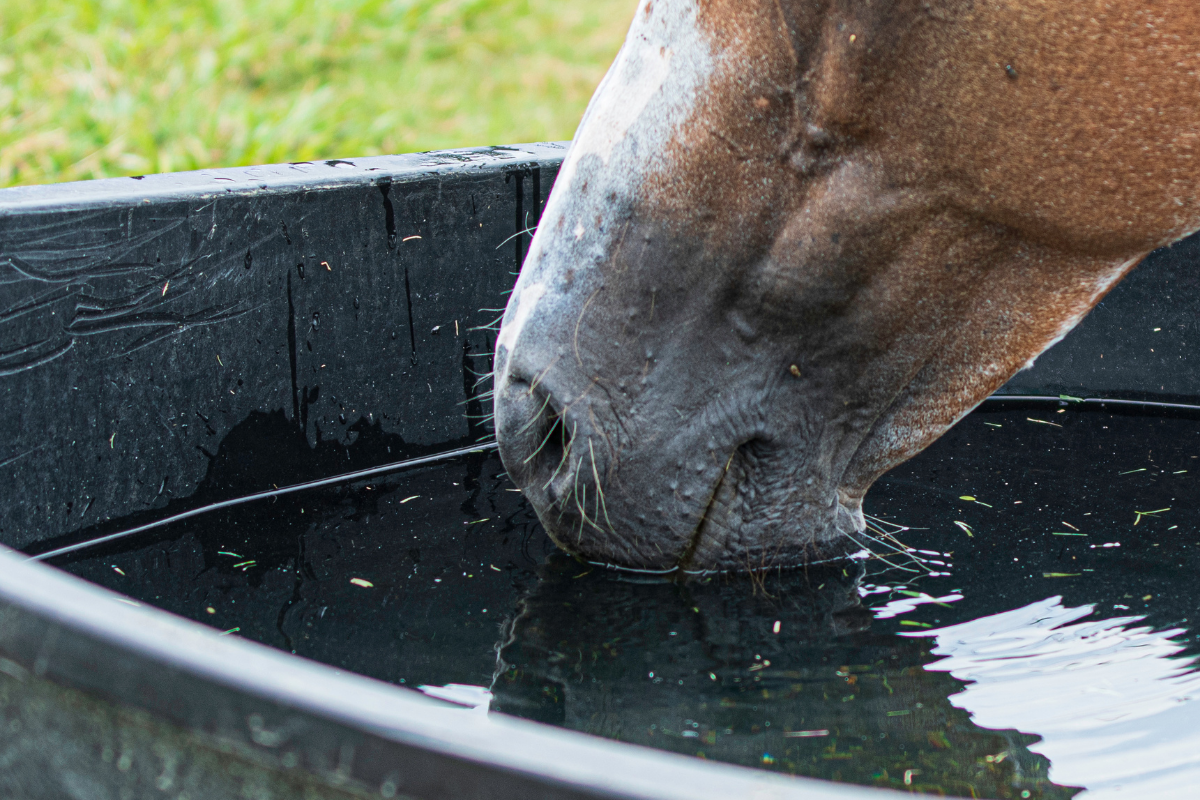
(796, 240)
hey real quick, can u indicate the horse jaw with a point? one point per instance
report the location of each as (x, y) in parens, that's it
(739, 309)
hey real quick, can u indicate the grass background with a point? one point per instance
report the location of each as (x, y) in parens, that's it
(102, 88)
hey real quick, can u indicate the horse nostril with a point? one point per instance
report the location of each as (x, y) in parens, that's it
(554, 457)
(534, 437)
(550, 452)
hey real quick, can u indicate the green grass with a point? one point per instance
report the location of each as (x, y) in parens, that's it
(101, 88)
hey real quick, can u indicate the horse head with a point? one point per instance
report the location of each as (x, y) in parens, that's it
(794, 241)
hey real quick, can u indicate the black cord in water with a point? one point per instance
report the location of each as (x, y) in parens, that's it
(250, 498)
(1091, 402)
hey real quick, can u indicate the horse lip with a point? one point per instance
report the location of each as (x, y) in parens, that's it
(685, 560)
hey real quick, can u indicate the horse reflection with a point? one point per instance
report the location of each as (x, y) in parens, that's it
(782, 672)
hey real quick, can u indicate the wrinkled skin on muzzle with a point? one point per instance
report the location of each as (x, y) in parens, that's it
(793, 242)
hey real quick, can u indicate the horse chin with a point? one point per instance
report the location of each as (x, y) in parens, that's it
(750, 527)
(753, 519)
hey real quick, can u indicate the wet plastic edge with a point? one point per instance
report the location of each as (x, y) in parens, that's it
(504, 746)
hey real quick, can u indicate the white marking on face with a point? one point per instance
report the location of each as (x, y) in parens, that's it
(647, 100)
(649, 92)
(637, 75)
(526, 298)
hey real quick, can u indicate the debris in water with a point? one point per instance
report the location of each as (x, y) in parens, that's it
(362, 582)
(971, 499)
(1141, 514)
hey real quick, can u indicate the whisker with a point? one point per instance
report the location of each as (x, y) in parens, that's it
(491, 326)
(535, 417)
(515, 235)
(894, 549)
(566, 454)
(599, 489)
(546, 439)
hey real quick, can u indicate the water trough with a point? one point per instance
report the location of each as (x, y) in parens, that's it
(173, 344)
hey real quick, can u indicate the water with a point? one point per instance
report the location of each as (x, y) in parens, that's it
(1032, 641)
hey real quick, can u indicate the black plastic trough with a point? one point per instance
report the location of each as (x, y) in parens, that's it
(143, 320)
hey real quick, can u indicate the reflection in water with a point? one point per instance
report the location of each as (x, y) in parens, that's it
(1116, 713)
(785, 674)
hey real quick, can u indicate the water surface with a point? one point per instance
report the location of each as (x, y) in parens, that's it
(1024, 632)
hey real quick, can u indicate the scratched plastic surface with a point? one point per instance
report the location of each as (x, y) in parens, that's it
(1035, 640)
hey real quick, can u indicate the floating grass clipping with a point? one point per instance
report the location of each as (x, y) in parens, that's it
(1141, 514)
(965, 527)
(1060, 574)
(1131, 471)
(1044, 422)
(366, 584)
(970, 499)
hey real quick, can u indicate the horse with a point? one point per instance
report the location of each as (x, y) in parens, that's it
(794, 241)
